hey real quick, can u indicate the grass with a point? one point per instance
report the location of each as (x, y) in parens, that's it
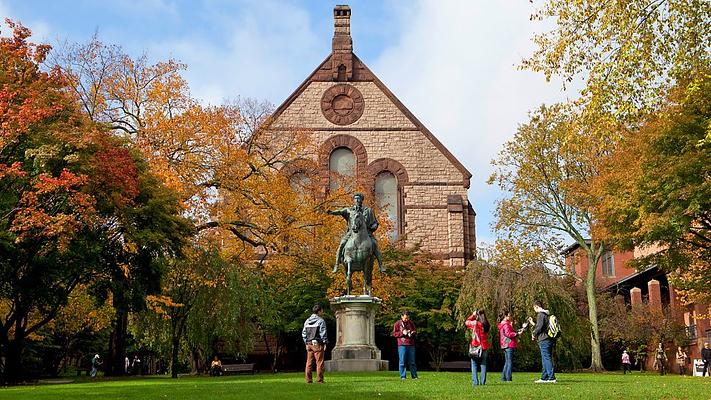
(378, 385)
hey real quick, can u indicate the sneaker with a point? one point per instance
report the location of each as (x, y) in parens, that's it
(551, 381)
(402, 379)
(414, 379)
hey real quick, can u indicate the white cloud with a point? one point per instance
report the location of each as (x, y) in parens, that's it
(40, 29)
(266, 48)
(455, 68)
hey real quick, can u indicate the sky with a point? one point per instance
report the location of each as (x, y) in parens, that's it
(453, 63)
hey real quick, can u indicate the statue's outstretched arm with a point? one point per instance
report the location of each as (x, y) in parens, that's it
(342, 212)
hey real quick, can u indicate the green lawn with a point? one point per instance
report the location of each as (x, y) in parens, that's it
(381, 385)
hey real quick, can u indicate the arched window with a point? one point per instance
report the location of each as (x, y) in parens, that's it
(386, 196)
(341, 164)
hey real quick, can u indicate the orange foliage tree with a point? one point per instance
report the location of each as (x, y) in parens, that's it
(69, 192)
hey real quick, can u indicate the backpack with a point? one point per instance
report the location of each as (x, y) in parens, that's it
(553, 327)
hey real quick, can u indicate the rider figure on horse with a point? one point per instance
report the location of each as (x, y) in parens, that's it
(370, 221)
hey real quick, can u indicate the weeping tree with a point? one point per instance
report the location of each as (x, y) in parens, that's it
(547, 171)
(512, 282)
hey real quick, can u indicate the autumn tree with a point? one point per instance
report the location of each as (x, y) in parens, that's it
(80, 320)
(656, 191)
(546, 171)
(204, 299)
(66, 186)
(628, 53)
(233, 168)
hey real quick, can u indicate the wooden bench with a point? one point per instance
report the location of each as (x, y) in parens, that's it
(453, 365)
(229, 368)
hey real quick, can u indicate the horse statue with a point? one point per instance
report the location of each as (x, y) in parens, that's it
(358, 249)
(358, 253)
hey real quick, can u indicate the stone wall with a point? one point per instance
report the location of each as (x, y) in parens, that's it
(386, 132)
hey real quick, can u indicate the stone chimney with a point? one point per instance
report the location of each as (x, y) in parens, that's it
(342, 55)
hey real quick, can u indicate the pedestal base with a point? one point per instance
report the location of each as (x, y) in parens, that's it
(355, 365)
(355, 348)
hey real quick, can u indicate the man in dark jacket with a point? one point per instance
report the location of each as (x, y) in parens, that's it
(404, 330)
(315, 339)
(706, 358)
(545, 342)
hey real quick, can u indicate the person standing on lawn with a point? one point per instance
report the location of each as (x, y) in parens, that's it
(626, 364)
(706, 358)
(681, 358)
(479, 326)
(660, 359)
(315, 339)
(545, 342)
(404, 330)
(508, 343)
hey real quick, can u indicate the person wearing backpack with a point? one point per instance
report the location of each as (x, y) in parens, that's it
(545, 341)
(479, 326)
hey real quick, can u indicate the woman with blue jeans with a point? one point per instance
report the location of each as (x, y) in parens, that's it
(508, 342)
(479, 326)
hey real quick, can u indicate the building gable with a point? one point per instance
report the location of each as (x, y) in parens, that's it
(384, 111)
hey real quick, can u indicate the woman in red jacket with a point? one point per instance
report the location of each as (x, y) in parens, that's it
(479, 326)
(508, 342)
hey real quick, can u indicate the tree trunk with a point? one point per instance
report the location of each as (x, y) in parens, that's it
(596, 357)
(115, 364)
(175, 336)
(13, 364)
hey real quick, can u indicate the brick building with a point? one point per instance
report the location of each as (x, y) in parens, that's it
(650, 287)
(361, 129)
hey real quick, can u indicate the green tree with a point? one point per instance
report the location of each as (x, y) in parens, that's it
(547, 170)
(512, 278)
(428, 290)
(628, 52)
(204, 298)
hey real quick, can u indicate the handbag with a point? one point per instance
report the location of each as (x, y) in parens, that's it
(475, 351)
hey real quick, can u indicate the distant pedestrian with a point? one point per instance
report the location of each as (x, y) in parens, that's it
(681, 359)
(626, 364)
(479, 326)
(508, 343)
(660, 359)
(136, 365)
(404, 330)
(315, 340)
(706, 358)
(545, 342)
(126, 365)
(95, 362)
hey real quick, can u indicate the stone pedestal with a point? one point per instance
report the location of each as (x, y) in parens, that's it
(355, 348)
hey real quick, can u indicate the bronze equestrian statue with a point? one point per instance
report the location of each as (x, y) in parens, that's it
(358, 247)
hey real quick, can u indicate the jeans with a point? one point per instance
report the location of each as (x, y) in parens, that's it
(546, 347)
(476, 363)
(407, 354)
(508, 365)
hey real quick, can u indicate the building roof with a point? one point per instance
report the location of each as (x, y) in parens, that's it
(361, 73)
